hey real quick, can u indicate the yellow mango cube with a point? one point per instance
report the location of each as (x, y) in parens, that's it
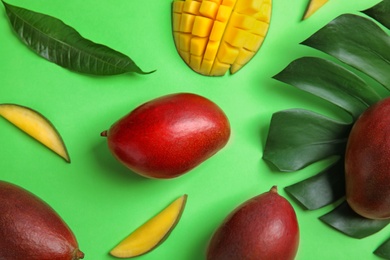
(185, 42)
(211, 50)
(249, 7)
(177, 6)
(217, 31)
(191, 7)
(195, 62)
(228, 2)
(202, 26)
(242, 21)
(209, 9)
(187, 22)
(219, 68)
(198, 45)
(224, 13)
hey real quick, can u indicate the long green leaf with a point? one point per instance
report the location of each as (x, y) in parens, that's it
(331, 82)
(299, 137)
(358, 42)
(380, 12)
(322, 189)
(384, 250)
(345, 220)
(59, 43)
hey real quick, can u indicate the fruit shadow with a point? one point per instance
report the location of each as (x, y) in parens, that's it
(200, 248)
(110, 165)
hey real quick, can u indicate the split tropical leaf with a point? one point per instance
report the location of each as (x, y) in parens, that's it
(314, 75)
(380, 12)
(344, 219)
(322, 189)
(358, 42)
(322, 138)
(384, 250)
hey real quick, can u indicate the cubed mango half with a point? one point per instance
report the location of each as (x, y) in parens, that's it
(214, 36)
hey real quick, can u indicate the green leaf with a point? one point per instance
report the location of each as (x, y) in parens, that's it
(322, 189)
(299, 137)
(384, 250)
(331, 82)
(358, 42)
(380, 12)
(345, 220)
(59, 43)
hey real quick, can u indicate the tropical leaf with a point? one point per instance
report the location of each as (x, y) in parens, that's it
(345, 220)
(384, 250)
(299, 137)
(380, 12)
(322, 189)
(331, 82)
(358, 42)
(59, 43)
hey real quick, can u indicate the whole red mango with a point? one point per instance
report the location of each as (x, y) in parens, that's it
(168, 136)
(30, 229)
(367, 163)
(264, 227)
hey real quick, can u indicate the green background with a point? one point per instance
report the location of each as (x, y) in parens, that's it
(100, 199)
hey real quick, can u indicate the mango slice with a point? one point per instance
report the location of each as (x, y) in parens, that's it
(36, 125)
(214, 36)
(152, 233)
(313, 6)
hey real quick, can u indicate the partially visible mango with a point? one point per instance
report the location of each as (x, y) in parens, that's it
(214, 36)
(367, 163)
(30, 229)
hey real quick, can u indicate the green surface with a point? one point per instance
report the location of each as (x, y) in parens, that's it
(100, 199)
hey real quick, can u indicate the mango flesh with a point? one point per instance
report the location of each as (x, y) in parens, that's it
(264, 227)
(168, 136)
(36, 125)
(152, 233)
(214, 36)
(367, 163)
(31, 229)
(313, 7)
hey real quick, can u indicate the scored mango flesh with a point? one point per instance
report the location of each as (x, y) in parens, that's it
(213, 36)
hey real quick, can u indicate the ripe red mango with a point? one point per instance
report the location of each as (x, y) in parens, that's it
(168, 136)
(367, 163)
(264, 227)
(31, 229)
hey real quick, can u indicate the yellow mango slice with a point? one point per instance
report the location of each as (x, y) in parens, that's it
(152, 233)
(36, 125)
(313, 6)
(214, 36)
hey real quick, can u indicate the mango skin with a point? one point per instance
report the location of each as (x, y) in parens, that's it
(31, 229)
(264, 227)
(367, 163)
(168, 136)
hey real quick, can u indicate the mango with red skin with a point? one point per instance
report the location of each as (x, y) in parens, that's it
(168, 136)
(264, 227)
(367, 163)
(31, 229)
